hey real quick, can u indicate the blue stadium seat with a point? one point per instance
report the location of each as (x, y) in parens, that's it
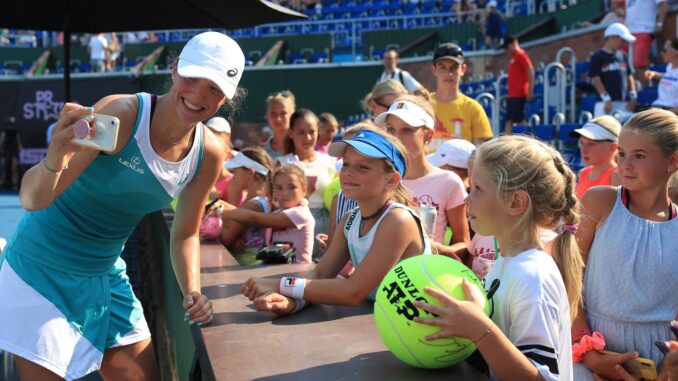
(522, 129)
(588, 102)
(564, 138)
(647, 96)
(545, 133)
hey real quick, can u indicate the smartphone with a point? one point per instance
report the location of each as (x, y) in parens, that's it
(639, 367)
(105, 134)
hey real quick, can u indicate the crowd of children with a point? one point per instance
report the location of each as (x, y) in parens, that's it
(508, 208)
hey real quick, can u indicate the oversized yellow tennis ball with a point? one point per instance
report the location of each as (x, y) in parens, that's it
(394, 312)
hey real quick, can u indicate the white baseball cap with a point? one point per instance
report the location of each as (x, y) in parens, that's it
(213, 56)
(620, 30)
(218, 124)
(409, 112)
(453, 152)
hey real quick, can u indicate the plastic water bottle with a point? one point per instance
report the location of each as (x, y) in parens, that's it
(428, 214)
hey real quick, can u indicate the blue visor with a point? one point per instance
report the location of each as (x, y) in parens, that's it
(371, 144)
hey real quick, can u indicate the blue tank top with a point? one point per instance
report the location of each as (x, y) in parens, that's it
(85, 229)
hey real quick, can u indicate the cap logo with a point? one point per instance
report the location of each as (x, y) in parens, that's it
(400, 105)
(232, 73)
(360, 135)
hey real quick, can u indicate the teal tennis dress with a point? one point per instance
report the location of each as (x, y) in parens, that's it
(64, 294)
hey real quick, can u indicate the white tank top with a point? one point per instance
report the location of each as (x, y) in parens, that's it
(358, 246)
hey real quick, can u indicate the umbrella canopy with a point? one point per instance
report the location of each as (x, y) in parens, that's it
(93, 16)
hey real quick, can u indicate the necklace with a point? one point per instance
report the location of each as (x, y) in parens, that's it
(373, 215)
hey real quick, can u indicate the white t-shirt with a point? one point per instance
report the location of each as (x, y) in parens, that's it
(668, 89)
(530, 306)
(98, 45)
(644, 15)
(319, 173)
(408, 80)
(442, 188)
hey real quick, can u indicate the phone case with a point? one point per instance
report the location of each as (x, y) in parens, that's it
(639, 368)
(105, 133)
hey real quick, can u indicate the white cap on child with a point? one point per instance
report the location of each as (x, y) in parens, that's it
(453, 152)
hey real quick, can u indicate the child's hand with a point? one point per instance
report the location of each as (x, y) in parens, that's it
(256, 287)
(605, 366)
(276, 303)
(457, 318)
(321, 239)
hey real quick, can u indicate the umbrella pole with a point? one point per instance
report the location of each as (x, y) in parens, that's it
(67, 63)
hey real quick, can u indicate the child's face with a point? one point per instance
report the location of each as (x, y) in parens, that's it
(304, 134)
(486, 212)
(413, 138)
(278, 115)
(326, 133)
(288, 191)
(362, 177)
(642, 164)
(596, 152)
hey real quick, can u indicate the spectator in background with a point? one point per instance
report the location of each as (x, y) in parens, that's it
(492, 26)
(520, 83)
(279, 108)
(381, 97)
(645, 23)
(668, 81)
(611, 73)
(454, 155)
(10, 147)
(391, 71)
(457, 116)
(113, 52)
(97, 49)
(328, 127)
(616, 14)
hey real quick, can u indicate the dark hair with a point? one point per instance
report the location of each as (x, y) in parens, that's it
(10, 121)
(302, 113)
(394, 50)
(674, 43)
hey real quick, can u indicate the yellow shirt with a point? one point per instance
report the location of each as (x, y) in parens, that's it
(461, 118)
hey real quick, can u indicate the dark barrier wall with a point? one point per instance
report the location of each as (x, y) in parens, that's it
(36, 103)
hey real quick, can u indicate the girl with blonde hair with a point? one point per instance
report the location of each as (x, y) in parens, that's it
(519, 184)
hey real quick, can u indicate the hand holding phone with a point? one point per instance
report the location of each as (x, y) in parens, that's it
(101, 133)
(638, 367)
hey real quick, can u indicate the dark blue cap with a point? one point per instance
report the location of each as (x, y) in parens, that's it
(371, 144)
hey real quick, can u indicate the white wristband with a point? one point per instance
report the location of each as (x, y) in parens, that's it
(633, 95)
(606, 97)
(301, 303)
(292, 287)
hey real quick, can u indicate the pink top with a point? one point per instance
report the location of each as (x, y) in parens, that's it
(301, 236)
(222, 188)
(321, 148)
(442, 188)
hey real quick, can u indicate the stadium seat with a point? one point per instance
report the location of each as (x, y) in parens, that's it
(522, 129)
(545, 133)
(647, 96)
(588, 102)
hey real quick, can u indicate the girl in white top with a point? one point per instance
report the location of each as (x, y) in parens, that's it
(279, 108)
(319, 168)
(382, 231)
(518, 184)
(410, 119)
(668, 81)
